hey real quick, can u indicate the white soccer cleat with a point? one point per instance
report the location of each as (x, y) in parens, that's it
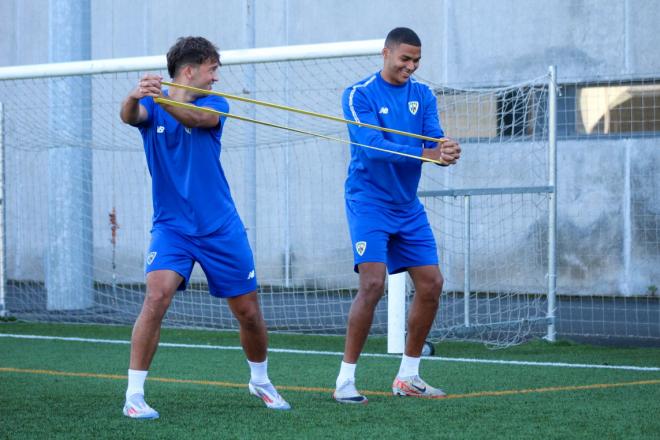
(136, 408)
(414, 386)
(347, 393)
(269, 395)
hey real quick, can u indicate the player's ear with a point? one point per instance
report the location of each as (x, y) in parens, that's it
(187, 71)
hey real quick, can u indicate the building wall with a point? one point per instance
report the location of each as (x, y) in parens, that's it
(475, 42)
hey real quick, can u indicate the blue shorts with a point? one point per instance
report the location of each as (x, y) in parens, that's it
(224, 256)
(398, 238)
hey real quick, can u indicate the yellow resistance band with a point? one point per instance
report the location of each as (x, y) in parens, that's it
(303, 112)
(283, 127)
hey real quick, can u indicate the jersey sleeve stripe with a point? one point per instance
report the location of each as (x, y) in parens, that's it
(350, 96)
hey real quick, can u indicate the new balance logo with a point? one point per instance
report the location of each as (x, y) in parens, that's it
(160, 129)
(384, 110)
(251, 275)
(360, 247)
(151, 257)
(188, 130)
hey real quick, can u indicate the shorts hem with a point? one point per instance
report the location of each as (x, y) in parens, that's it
(410, 266)
(233, 293)
(181, 287)
(355, 265)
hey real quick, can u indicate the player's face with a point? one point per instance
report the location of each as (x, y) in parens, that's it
(204, 75)
(399, 62)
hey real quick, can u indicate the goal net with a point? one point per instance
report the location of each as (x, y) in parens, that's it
(78, 198)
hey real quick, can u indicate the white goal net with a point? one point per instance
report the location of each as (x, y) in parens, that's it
(78, 200)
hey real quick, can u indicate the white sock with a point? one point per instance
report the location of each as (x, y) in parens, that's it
(409, 366)
(259, 372)
(136, 380)
(346, 372)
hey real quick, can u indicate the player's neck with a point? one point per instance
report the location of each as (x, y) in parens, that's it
(181, 95)
(391, 81)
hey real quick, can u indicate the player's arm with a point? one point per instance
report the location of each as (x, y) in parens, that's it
(448, 151)
(134, 113)
(357, 108)
(192, 118)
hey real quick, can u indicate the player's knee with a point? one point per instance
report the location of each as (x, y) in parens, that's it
(159, 295)
(436, 284)
(372, 286)
(158, 298)
(431, 288)
(371, 291)
(249, 317)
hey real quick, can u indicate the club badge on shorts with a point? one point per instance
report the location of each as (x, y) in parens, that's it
(360, 247)
(413, 106)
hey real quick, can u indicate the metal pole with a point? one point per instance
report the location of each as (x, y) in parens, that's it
(250, 181)
(552, 203)
(287, 196)
(287, 165)
(626, 283)
(466, 251)
(3, 247)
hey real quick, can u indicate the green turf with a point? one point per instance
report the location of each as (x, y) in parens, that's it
(51, 406)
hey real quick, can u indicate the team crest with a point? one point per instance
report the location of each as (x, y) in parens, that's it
(413, 106)
(360, 247)
(151, 257)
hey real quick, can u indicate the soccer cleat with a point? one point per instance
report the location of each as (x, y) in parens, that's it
(136, 408)
(269, 395)
(347, 393)
(414, 386)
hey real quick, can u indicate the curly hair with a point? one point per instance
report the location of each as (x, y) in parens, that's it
(190, 50)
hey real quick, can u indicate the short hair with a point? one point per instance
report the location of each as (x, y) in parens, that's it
(402, 35)
(190, 50)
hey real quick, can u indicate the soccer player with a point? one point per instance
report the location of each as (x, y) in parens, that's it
(194, 218)
(388, 225)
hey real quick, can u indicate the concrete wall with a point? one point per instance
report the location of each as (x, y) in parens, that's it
(607, 208)
(467, 41)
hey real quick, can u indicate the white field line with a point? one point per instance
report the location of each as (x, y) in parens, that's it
(337, 353)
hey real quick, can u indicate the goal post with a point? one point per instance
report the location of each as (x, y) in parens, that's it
(228, 57)
(551, 333)
(3, 280)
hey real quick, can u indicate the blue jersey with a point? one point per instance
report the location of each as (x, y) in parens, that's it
(382, 178)
(189, 189)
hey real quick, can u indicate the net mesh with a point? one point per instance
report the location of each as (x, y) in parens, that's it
(64, 144)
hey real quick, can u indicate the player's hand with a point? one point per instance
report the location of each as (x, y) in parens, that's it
(447, 151)
(450, 151)
(149, 85)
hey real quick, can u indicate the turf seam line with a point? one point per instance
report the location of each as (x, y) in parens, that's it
(597, 386)
(336, 353)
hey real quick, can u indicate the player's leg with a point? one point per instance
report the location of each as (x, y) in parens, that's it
(428, 288)
(414, 249)
(369, 235)
(167, 260)
(252, 327)
(361, 314)
(254, 340)
(360, 318)
(161, 286)
(226, 258)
